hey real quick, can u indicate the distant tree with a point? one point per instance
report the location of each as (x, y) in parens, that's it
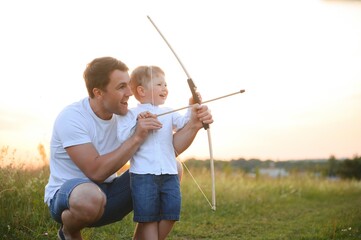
(332, 166)
(351, 168)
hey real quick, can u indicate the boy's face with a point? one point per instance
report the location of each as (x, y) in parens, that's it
(156, 91)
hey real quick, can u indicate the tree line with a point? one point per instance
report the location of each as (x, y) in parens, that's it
(331, 167)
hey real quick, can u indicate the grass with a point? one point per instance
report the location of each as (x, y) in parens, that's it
(296, 207)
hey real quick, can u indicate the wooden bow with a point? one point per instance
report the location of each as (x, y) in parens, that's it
(193, 89)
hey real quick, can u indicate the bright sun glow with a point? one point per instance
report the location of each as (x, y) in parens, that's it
(297, 60)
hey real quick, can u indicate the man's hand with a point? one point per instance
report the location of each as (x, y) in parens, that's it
(200, 114)
(191, 100)
(146, 121)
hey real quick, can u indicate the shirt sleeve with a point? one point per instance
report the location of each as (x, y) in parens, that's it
(72, 128)
(179, 120)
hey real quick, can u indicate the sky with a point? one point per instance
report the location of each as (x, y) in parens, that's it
(297, 60)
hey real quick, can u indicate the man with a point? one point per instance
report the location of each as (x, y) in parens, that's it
(83, 189)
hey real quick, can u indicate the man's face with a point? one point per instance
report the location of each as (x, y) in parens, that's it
(115, 99)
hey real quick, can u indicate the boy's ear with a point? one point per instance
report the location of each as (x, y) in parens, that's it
(141, 91)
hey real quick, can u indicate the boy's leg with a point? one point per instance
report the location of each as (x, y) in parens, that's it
(164, 228)
(170, 204)
(148, 230)
(180, 170)
(145, 196)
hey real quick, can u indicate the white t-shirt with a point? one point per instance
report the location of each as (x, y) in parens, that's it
(156, 155)
(77, 124)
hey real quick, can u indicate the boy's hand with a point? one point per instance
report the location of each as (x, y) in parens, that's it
(146, 114)
(147, 121)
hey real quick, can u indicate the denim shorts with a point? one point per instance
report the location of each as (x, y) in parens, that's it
(119, 199)
(155, 197)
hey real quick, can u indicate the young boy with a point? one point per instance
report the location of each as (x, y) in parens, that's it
(153, 168)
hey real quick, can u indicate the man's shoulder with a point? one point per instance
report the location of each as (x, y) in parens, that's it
(78, 106)
(74, 109)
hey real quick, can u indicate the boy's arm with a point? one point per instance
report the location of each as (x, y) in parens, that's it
(184, 137)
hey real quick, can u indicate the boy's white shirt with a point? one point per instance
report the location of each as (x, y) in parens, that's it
(156, 155)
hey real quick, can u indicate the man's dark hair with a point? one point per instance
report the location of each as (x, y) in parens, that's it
(97, 72)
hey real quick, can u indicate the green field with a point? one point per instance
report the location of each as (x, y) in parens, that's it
(296, 207)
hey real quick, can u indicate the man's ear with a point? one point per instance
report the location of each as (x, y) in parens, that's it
(141, 91)
(97, 92)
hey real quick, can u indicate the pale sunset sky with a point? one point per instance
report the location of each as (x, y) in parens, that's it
(298, 60)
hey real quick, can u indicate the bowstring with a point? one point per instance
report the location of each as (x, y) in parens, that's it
(153, 102)
(183, 163)
(194, 180)
(152, 87)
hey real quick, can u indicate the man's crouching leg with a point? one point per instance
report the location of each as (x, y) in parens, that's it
(86, 206)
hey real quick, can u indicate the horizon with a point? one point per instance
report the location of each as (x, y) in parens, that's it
(40, 158)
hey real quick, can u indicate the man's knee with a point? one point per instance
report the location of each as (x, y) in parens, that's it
(87, 202)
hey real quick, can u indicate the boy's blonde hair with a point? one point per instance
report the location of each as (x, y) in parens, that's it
(142, 76)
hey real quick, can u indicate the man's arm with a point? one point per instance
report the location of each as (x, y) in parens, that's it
(99, 167)
(184, 137)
